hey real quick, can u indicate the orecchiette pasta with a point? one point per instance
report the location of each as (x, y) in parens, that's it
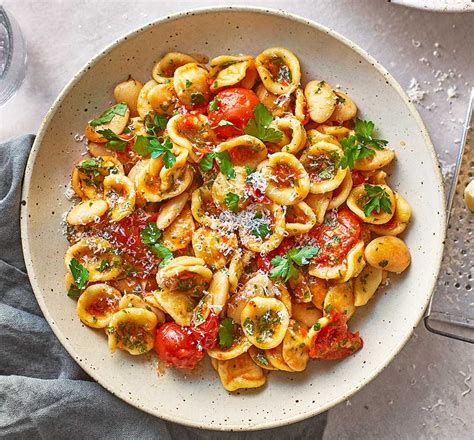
(232, 211)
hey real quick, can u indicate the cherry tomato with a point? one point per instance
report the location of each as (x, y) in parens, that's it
(357, 178)
(176, 345)
(264, 260)
(206, 333)
(339, 232)
(236, 106)
(335, 341)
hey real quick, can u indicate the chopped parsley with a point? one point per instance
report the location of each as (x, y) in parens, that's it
(163, 252)
(261, 229)
(150, 234)
(150, 145)
(376, 199)
(80, 275)
(223, 160)
(285, 267)
(249, 326)
(358, 145)
(226, 333)
(188, 84)
(154, 126)
(197, 98)
(382, 263)
(258, 125)
(104, 265)
(232, 200)
(115, 142)
(119, 109)
(214, 105)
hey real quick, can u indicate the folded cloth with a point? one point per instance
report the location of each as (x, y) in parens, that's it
(43, 392)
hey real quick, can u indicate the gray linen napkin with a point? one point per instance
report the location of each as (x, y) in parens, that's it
(43, 392)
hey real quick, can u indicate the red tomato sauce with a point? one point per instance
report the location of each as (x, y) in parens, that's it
(339, 232)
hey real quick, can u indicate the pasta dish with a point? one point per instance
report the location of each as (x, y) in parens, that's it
(225, 207)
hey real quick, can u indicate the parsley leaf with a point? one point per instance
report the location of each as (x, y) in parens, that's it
(286, 266)
(163, 252)
(150, 145)
(223, 160)
(197, 98)
(154, 126)
(104, 265)
(232, 200)
(118, 109)
(115, 142)
(357, 146)
(214, 105)
(226, 333)
(188, 84)
(206, 162)
(376, 199)
(89, 166)
(363, 133)
(261, 229)
(150, 234)
(258, 125)
(74, 291)
(79, 273)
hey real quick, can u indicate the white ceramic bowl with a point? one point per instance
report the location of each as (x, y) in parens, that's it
(197, 398)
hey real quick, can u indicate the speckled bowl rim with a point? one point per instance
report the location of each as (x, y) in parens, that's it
(37, 144)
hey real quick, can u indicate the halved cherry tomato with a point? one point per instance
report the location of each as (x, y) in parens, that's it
(207, 332)
(264, 260)
(339, 232)
(335, 341)
(176, 345)
(236, 106)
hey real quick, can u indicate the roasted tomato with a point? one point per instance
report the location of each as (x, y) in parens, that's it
(264, 260)
(234, 105)
(176, 345)
(335, 341)
(335, 237)
(207, 332)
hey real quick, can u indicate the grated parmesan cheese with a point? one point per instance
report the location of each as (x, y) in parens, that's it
(415, 92)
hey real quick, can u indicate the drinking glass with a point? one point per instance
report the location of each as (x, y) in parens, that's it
(12, 56)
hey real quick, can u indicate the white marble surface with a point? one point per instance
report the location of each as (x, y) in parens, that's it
(422, 394)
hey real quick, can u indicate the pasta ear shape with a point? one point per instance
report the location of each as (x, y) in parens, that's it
(288, 181)
(264, 322)
(164, 69)
(240, 372)
(97, 304)
(132, 330)
(321, 163)
(279, 70)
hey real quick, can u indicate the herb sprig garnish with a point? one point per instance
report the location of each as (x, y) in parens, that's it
(223, 160)
(155, 125)
(151, 145)
(258, 126)
(361, 145)
(150, 236)
(286, 266)
(119, 109)
(226, 333)
(115, 142)
(80, 275)
(376, 199)
(232, 200)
